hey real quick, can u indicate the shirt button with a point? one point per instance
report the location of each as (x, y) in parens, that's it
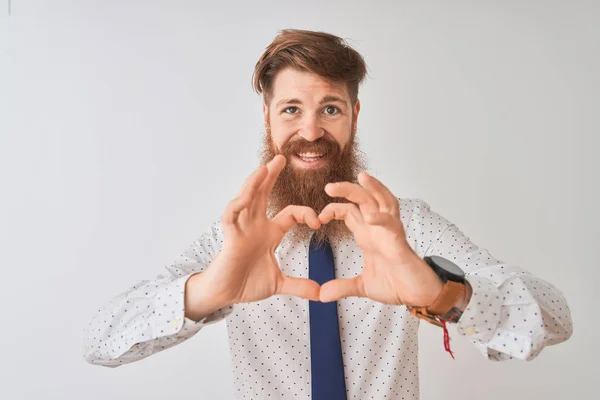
(470, 331)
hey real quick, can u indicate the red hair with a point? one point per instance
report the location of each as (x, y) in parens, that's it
(321, 53)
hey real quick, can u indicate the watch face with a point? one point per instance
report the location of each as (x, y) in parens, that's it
(447, 266)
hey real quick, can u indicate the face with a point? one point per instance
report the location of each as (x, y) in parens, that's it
(312, 122)
(307, 108)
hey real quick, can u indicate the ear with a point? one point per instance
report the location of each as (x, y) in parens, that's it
(266, 113)
(355, 112)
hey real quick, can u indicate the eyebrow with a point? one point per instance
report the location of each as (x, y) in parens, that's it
(326, 99)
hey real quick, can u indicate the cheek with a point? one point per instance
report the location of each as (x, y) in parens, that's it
(341, 133)
(281, 133)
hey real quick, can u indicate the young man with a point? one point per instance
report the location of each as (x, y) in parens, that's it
(320, 270)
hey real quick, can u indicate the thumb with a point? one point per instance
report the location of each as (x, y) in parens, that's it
(343, 287)
(300, 287)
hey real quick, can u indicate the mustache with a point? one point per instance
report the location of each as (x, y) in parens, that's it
(321, 145)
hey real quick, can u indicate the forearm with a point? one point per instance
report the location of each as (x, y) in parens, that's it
(150, 316)
(146, 319)
(202, 298)
(511, 313)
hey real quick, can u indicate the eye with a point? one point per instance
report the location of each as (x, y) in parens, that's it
(331, 110)
(291, 110)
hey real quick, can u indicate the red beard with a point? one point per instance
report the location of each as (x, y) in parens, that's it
(306, 186)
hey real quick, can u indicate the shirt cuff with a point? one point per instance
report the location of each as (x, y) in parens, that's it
(482, 315)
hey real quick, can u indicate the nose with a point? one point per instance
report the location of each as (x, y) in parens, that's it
(311, 129)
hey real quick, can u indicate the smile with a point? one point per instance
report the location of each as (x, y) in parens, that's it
(309, 159)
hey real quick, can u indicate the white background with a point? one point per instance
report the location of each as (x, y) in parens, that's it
(126, 126)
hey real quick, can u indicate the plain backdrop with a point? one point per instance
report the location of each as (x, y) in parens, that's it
(126, 127)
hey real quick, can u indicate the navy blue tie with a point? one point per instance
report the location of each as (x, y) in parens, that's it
(327, 366)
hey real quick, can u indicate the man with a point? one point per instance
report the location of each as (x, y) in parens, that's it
(324, 274)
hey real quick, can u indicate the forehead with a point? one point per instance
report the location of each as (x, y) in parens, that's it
(290, 82)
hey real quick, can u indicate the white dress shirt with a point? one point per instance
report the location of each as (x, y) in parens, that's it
(512, 314)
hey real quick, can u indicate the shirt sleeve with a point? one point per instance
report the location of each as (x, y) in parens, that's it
(512, 313)
(150, 317)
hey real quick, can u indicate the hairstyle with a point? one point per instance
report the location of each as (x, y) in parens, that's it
(321, 53)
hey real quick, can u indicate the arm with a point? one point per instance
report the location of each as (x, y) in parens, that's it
(232, 263)
(512, 313)
(151, 316)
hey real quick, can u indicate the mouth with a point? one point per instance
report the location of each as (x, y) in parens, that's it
(309, 160)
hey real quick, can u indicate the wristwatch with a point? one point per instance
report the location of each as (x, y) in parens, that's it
(454, 297)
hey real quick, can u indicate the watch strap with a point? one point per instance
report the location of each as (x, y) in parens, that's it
(448, 306)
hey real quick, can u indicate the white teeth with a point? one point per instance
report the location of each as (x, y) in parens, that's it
(310, 155)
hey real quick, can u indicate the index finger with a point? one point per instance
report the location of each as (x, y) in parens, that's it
(292, 215)
(386, 199)
(253, 181)
(245, 196)
(355, 193)
(275, 166)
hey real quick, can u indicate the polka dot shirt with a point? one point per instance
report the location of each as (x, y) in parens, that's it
(512, 314)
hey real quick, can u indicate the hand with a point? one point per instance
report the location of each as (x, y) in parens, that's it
(392, 272)
(247, 270)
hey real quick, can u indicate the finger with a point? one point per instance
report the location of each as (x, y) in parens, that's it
(292, 215)
(386, 199)
(245, 197)
(275, 166)
(254, 180)
(337, 289)
(235, 207)
(355, 193)
(347, 212)
(300, 287)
